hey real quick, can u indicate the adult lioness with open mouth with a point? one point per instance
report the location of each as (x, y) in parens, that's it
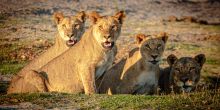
(139, 72)
(70, 30)
(76, 70)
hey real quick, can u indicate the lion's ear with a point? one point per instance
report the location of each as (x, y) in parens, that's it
(81, 16)
(58, 17)
(171, 59)
(200, 59)
(140, 38)
(120, 16)
(94, 16)
(163, 36)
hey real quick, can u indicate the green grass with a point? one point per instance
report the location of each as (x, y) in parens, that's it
(183, 46)
(7, 22)
(11, 68)
(193, 101)
(3, 16)
(8, 48)
(212, 61)
(129, 102)
(9, 65)
(212, 27)
(190, 47)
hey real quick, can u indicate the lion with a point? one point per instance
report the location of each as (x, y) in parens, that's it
(70, 30)
(139, 72)
(182, 75)
(75, 70)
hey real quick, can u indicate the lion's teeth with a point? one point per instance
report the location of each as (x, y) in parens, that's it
(108, 44)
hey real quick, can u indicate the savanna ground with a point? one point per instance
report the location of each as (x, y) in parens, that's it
(27, 30)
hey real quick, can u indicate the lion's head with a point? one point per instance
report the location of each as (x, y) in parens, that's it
(152, 47)
(106, 29)
(70, 28)
(185, 71)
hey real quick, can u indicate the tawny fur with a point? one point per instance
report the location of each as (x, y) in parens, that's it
(65, 27)
(135, 74)
(76, 69)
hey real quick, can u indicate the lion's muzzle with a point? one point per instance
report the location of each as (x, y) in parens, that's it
(107, 45)
(71, 42)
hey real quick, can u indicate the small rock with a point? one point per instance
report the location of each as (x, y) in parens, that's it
(26, 105)
(14, 100)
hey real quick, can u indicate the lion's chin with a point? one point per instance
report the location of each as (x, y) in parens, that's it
(107, 45)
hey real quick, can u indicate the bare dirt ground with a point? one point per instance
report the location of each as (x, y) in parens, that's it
(193, 26)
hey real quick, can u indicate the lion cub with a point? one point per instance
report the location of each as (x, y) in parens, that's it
(76, 69)
(70, 30)
(182, 75)
(139, 72)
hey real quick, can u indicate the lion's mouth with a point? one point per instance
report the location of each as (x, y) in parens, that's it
(187, 89)
(154, 62)
(185, 86)
(108, 45)
(71, 42)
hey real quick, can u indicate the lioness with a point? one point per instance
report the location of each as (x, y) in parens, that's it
(139, 72)
(76, 69)
(70, 30)
(182, 74)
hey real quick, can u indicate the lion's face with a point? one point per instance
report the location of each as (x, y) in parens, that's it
(107, 29)
(70, 28)
(185, 72)
(152, 48)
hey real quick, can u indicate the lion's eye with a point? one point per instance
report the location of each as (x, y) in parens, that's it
(158, 46)
(100, 27)
(192, 68)
(177, 69)
(147, 46)
(64, 26)
(76, 26)
(114, 27)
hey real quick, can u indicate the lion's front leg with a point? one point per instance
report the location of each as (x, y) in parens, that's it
(88, 80)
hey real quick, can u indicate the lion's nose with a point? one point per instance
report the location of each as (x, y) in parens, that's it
(184, 79)
(107, 36)
(154, 56)
(70, 35)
